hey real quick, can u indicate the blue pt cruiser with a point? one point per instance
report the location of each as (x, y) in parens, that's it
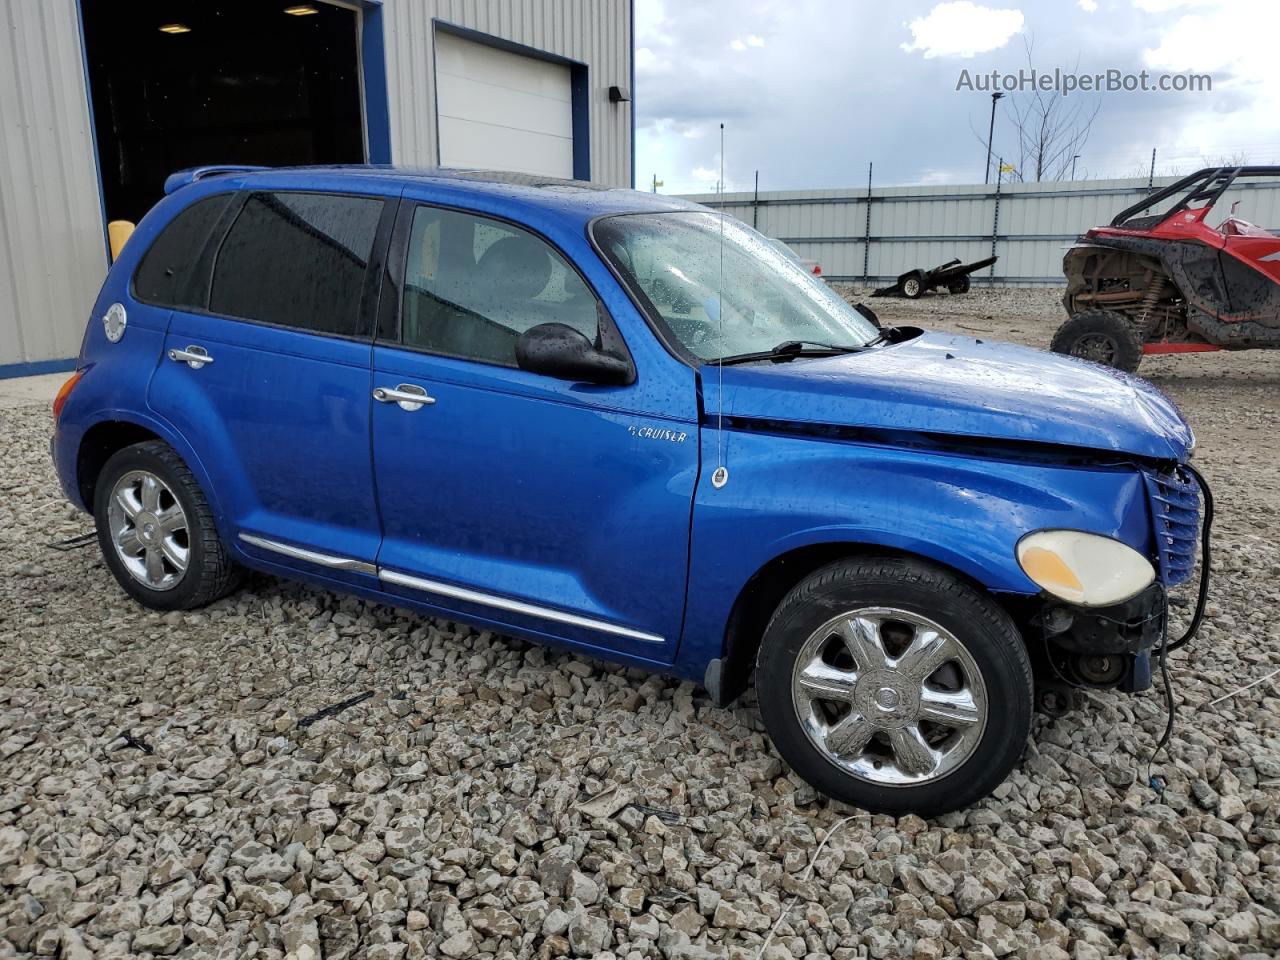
(631, 426)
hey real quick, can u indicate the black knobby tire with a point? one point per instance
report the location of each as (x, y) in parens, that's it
(1102, 336)
(959, 286)
(211, 573)
(913, 291)
(973, 618)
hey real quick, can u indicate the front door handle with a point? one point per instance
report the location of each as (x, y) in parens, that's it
(408, 396)
(194, 357)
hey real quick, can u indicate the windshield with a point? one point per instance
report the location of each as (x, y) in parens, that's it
(679, 262)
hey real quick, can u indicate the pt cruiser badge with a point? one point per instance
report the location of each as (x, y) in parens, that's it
(658, 433)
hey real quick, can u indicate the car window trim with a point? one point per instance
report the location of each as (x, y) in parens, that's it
(366, 312)
(208, 247)
(398, 258)
(639, 299)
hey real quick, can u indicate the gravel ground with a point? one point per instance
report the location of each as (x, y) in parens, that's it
(161, 791)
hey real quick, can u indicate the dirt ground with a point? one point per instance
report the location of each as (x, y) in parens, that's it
(163, 790)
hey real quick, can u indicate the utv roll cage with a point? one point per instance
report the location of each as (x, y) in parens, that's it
(1207, 184)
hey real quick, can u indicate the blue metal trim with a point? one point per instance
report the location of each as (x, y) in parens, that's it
(579, 89)
(502, 43)
(35, 368)
(93, 135)
(373, 63)
(631, 54)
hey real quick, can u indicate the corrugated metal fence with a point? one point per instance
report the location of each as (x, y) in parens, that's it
(876, 236)
(52, 248)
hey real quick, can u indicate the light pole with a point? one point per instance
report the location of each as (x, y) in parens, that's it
(1073, 165)
(991, 132)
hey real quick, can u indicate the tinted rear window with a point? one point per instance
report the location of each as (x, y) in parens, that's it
(170, 273)
(297, 260)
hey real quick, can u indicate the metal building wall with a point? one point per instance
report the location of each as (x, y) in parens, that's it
(594, 32)
(52, 246)
(925, 226)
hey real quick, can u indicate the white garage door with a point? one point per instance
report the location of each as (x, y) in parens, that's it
(502, 110)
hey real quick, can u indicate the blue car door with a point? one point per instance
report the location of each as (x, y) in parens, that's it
(551, 508)
(266, 375)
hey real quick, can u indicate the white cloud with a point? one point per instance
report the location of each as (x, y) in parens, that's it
(962, 28)
(1214, 40)
(1088, 6)
(742, 43)
(1209, 38)
(1164, 6)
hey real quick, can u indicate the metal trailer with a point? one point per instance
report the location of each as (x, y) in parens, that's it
(953, 275)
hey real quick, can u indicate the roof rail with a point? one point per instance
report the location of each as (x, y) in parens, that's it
(176, 181)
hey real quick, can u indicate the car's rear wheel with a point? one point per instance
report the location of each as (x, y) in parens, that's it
(913, 286)
(1102, 336)
(895, 686)
(959, 286)
(156, 530)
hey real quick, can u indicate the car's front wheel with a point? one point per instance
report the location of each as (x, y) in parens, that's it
(156, 530)
(895, 686)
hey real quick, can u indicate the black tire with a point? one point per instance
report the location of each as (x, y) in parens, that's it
(973, 619)
(210, 572)
(913, 285)
(959, 286)
(1102, 336)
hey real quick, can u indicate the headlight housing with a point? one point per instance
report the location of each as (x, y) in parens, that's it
(1084, 568)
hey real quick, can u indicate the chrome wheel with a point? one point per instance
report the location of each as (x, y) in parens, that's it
(889, 697)
(149, 530)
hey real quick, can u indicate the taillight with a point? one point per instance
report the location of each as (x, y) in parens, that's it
(61, 399)
(817, 269)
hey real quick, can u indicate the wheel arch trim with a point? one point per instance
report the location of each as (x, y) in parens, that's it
(729, 664)
(163, 431)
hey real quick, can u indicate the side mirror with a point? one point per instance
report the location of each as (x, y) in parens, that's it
(558, 350)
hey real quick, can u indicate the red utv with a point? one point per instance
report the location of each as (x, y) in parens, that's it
(1169, 282)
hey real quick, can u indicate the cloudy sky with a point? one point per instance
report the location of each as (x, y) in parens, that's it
(811, 90)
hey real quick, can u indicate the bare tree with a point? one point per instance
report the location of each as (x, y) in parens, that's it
(1050, 129)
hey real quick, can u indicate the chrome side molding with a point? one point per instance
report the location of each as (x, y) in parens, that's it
(310, 556)
(513, 606)
(448, 589)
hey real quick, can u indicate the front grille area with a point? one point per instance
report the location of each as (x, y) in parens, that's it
(1175, 507)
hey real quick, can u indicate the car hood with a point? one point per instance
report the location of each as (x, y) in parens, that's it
(960, 386)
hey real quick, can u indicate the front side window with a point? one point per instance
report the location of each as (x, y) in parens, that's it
(297, 260)
(473, 285)
(722, 289)
(173, 272)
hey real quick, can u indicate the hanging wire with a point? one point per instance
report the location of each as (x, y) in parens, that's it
(720, 321)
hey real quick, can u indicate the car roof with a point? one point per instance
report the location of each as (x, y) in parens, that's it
(577, 199)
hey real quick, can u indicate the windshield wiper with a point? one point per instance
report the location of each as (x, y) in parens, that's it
(788, 350)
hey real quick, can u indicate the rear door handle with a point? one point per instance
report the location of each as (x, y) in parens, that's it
(194, 357)
(408, 396)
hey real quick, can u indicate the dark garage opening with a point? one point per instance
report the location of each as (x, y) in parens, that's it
(180, 83)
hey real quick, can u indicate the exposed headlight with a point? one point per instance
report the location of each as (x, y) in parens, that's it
(1084, 568)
